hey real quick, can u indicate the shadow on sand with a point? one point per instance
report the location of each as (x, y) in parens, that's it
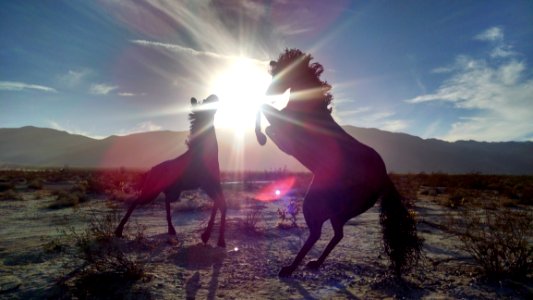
(197, 257)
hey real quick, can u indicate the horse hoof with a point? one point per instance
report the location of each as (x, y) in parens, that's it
(118, 233)
(285, 272)
(221, 244)
(172, 232)
(261, 138)
(313, 265)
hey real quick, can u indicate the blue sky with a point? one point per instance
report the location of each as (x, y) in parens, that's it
(437, 69)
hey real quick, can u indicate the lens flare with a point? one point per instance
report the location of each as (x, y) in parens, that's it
(276, 189)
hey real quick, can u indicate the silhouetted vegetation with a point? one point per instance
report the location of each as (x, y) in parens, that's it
(498, 239)
(107, 268)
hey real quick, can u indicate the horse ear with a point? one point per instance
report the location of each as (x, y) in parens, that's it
(211, 98)
(272, 66)
(194, 101)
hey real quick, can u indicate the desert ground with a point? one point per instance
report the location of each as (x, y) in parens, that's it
(56, 242)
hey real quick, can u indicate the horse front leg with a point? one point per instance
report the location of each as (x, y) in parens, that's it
(261, 137)
(273, 115)
(222, 206)
(207, 232)
(314, 217)
(337, 224)
(215, 193)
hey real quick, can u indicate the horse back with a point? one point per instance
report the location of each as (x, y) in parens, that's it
(164, 175)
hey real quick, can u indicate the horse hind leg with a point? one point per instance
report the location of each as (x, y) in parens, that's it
(169, 196)
(120, 227)
(315, 230)
(337, 223)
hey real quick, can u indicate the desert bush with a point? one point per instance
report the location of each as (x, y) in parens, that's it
(120, 196)
(251, 218)
(455, 199)
(288, 214)
(102, 253)
(192, 201)
(498, 239)
(35, 184)
(10, 195)
(71, 198)
(54, 245)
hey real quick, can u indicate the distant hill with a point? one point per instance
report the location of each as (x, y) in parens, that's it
(403, 153)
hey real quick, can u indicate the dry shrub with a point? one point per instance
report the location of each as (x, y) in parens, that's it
(192, 201)
(104, 256)
(10, 195)
(6, 185)
(35, 184)
(71, 198)
(251, 218)
(498, 239)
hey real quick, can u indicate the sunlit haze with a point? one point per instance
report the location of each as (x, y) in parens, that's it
(240, 88)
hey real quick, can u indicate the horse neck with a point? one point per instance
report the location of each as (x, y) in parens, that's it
(204, 139)
(306, 96)
(316, 140)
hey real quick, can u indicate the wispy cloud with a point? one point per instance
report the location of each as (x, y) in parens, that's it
(492, 34)
(127, 94)
(21, 86)
(101, 89)
(495, 36)
(73, 78)
(496, 91)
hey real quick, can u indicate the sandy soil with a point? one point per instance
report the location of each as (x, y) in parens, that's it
(247, 268)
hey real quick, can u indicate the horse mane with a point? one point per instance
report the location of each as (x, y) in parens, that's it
(200, 120)
(297, 64)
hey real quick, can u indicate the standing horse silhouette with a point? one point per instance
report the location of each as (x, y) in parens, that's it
(196, 168)
(348, 176)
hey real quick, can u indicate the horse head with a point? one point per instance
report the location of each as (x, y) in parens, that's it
(201, 117)
(207, 106)
(309, 94)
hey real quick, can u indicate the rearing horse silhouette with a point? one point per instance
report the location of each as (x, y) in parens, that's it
(348, 176)
(196, 168)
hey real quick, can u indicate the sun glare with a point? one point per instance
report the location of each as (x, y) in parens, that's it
(241, 90)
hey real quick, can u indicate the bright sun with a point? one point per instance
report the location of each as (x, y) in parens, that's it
(241, 90)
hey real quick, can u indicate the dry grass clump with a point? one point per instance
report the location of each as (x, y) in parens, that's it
(35, 184)
(288, 216)
(70, 198)
(107, 270)
(500, 240)
(252, 215)
(6, 185)
(10, 195)
(192, 201)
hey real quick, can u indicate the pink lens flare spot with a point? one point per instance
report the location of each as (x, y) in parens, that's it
(276, 189)
(236, 249)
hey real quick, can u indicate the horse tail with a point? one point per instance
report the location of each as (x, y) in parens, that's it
(398, 225)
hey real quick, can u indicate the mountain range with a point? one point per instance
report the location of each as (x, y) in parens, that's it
(43, 147)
